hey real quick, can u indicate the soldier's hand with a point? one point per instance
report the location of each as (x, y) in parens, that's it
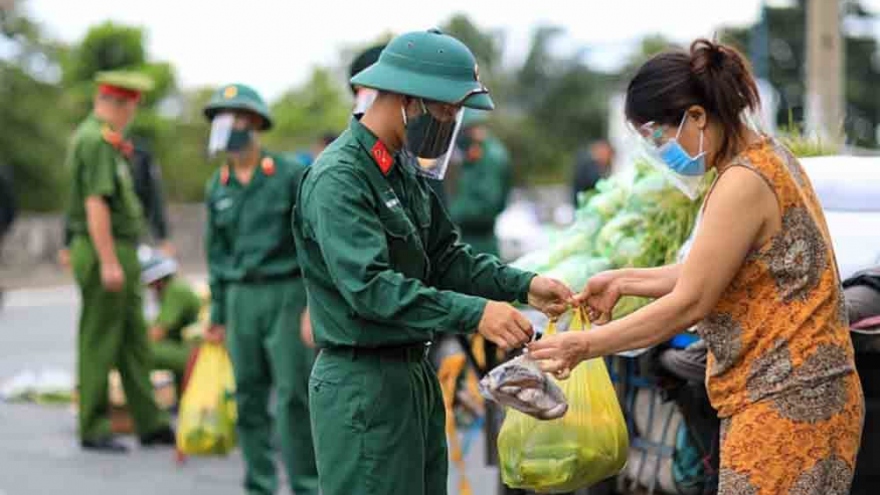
(305, 329)
(215, 334)
(549, 296)
(112, 277)
(504, 326)
(64, 258)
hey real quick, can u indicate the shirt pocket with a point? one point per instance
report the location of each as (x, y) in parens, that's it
(405, 251)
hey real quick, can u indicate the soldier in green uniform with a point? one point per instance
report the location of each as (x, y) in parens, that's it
(384, 269)
(179, 307)
(105, 222)
(481, 184)
(257, 292)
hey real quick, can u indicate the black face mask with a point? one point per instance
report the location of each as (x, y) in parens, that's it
(427, 136)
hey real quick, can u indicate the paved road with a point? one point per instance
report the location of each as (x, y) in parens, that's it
(38, 449)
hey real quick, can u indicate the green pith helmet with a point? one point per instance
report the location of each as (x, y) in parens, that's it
(364, 60)
(430, 65)
(238, 97)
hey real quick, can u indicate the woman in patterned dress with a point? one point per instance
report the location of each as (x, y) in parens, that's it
(760, 281)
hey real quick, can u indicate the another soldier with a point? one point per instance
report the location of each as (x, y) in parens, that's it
(106, 221)
(481, 185)
(257, 291)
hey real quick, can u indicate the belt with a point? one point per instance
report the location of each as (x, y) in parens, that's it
(261, 278)
(412, 352)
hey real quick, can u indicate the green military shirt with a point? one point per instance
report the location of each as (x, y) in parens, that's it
(179, 307)
(382, 261)
(482, 187)
(98, 168)
(248, 236)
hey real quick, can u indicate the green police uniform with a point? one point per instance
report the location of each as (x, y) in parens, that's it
(481, 191)
(179, 307)
(112, 331)
(384, 270)
(257, 291)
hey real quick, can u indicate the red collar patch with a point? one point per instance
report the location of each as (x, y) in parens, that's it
(116, 140)
(268, 166)
(382, 156)
(224, 175)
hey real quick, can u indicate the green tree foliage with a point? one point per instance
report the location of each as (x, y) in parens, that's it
(304, 113)
(34, 130)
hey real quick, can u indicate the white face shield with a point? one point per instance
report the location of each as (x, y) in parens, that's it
(221, 130)
(226, 136)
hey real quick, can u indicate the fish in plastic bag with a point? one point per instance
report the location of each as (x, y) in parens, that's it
(520, 384)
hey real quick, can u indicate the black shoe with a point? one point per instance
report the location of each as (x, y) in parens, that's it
(161, 437)
(107, 445)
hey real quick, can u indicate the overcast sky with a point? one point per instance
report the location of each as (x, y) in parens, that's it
(272, 44)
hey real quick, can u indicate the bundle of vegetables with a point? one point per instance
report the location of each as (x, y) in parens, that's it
(639, 220)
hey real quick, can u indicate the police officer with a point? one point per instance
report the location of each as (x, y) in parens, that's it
(384, 268)
(106, 222)
(147, 179)
(481, 184)
(179, 307)
(257, 293)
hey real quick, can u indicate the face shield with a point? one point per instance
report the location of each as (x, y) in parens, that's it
(431, 136)
(665, 154)
(228, 133)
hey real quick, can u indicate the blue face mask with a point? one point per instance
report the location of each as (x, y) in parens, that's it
(677, 159)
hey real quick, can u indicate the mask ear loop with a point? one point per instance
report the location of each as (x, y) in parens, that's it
(681, 126)
(678, 134)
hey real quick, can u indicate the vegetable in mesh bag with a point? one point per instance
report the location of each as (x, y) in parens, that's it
(588, 444)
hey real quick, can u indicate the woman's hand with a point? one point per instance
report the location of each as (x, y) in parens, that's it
(600, 295)
(559, 354)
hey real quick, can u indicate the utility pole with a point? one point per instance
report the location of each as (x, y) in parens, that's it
(825, 97)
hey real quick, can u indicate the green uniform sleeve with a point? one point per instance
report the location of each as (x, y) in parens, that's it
(457, 268)
(171, 313)
(482, 194)
(215, 253)
(98, 167)
(341, 217)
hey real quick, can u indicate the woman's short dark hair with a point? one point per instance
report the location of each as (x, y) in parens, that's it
(711, 75)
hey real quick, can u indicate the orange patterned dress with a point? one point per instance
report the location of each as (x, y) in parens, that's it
(781, 370)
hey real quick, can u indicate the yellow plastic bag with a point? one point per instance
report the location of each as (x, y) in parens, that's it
(588, 444)
(207, 416)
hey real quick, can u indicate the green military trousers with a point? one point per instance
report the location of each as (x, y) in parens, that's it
(263, 338)
(379, 423)
(112, 334)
